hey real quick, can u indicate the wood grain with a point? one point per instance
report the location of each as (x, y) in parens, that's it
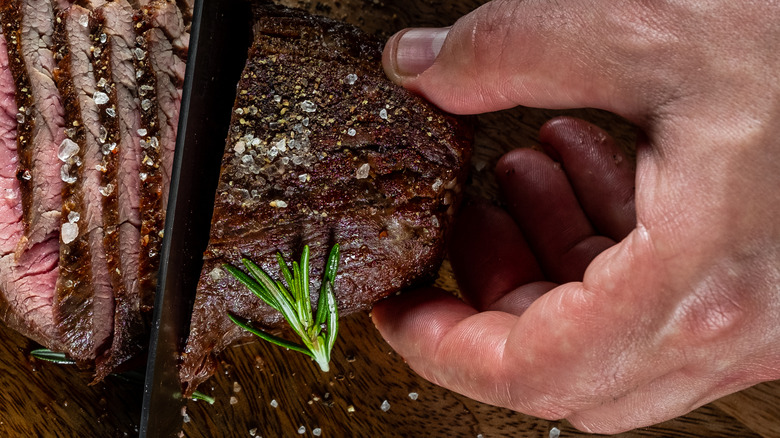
(262, 390)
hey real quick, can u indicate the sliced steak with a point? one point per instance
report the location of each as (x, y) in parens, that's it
(130, 332)
(26, 279)
(160, 76)
(323, 149)
(28, 26)
(84, 302)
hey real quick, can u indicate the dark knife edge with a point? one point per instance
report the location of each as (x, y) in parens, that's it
(219, 40)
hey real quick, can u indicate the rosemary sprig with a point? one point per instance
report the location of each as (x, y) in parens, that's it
(317, 330)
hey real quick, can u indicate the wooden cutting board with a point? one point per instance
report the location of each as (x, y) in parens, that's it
(262, 390)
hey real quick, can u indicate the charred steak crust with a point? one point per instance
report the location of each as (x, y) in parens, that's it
(322, 148)
(84, 306)
(116, 37)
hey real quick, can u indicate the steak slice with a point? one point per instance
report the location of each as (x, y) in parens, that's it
(323, 149)
(117, 41)
(160, 76)
(27, 278)
(84, 302)
(28, 26)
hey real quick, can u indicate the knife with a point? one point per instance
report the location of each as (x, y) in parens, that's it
(219, 39)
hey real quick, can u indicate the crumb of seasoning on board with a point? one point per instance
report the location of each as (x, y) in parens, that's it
(316, 431)
(253, 431)
(413, 395)
(385, 406)
(233, 400)
(236, 387)
(274, 403)
(555, 432)
(301, 430)
(350, 409)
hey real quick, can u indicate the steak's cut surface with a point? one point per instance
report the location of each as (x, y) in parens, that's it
(117, 38)
(84, 300)
(323, 149)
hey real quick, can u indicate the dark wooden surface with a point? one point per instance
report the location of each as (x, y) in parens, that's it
(262, 390)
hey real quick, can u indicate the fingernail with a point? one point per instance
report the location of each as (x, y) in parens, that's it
(417, 49)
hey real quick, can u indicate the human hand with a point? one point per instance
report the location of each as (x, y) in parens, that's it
(685, 308)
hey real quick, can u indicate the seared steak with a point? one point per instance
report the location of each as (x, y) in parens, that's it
(159, 84)
(88, 120)
(28, 26)
(26, 278)
(323, 149)
(84, 306)
(117, 56)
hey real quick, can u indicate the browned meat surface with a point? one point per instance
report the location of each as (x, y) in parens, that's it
(84, 306)
(30, 33)
(323, 149)
(26, 278)
(130, 332)
(88, 119)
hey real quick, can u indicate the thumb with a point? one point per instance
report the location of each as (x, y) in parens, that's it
(532, 53)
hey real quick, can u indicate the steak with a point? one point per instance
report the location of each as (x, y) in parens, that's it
(160, 75)
(88, 120)
(323, 149)
(28, 26)
(26, 278)
(84, 305)
(117, 40)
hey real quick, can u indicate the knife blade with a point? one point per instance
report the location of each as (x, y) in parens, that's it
(219, 41)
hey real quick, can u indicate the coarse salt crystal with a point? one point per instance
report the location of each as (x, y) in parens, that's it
(281, 145)
(363, 171)
(351, 132)
(103, 38)
(146, 104)
(274, 403)
(143, 175)
(301, 430)
(73, 217)
(111, 112)
(385, 406)
(233, 400)
(308, 106)
(102, 83)
(278, 204)
(555, 432)
(277, 98)
(142, 132)
(413, 395)
(216, 273)
(100, 98)
(240, 147)
(107, 190)
(351, 79)
(102, 134)
(303, 177)
(69, 232)
(316, 431)
(383, 114)
(253, 431)
(84, 21)
(139, 53)
(236, 387)
(68, 149)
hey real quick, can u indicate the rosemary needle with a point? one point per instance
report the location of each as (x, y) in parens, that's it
(317, 330)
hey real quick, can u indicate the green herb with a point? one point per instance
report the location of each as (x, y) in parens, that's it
(130, 376)
(317, 331)
(50, 356)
